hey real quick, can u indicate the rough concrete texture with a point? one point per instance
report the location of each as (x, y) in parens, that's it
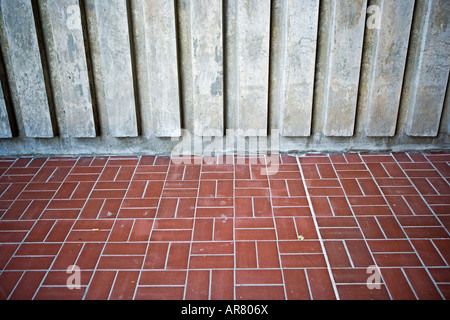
(429, 65)
(163, 67)
(207, 66)
(299, 42)
(5, 128)
(117, 82)
(248, 51)
(384, 65)
(343, 34)
(23, 62)
(68, 67)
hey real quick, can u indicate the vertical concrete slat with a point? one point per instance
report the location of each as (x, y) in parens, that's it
(447, 110)
(5, 127)
(344, 36)
(252, 45)
(299, 39)
(116, 66)
(62, 20)
(23, 62)
(428, 68)
(162, 59)
(386, 60)
(207, 67)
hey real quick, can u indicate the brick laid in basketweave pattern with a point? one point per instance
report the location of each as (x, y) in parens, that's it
(222, 228)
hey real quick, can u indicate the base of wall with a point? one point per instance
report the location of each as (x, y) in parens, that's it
(106, 145)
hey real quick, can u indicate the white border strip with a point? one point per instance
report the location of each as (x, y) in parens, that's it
(336, 293)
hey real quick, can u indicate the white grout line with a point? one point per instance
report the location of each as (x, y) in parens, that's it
(305, 271)
(276, 232)
(409, 283)
(437, 250)
(348, 253)
(330, 273)
(145, 189)
(193, 227)
(432, 186)
(234, 230)
(112, 285)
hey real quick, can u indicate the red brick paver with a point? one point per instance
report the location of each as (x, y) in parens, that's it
(147, 228)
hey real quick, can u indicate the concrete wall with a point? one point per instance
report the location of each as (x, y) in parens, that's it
(142, 76)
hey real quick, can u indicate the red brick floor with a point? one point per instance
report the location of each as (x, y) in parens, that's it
(146, 228)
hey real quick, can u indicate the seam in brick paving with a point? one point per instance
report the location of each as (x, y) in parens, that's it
(276, 232)
(193, 229)
(330, 273)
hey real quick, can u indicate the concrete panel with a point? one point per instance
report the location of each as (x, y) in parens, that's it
(252, 44)
(300, 43)
(163, 67)
(428, 69)
(447, 109)
(385, 57)
(207, 67)
(23, 63)
(5, 127)
(117, 76)
(344, 35)
(68, 65)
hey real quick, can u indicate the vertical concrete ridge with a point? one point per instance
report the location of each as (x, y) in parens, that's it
(25, 68)
(384, 61)
(300, 43)
(429, 65)
(163, 67)
(111, 22)
(62, 30)
(207, 66)
(131, 28)
(343, 66)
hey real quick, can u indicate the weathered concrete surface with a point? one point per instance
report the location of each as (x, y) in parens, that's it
(384, 65)
(446, 116)
(185, 63)
(20, 49)
(68, 67)
(138, 17)
(5, 127)
(116, 79)
(428, 68)
(163, 67)
(207, 66)
(248, 39)
(342, 43)
(298, 38)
